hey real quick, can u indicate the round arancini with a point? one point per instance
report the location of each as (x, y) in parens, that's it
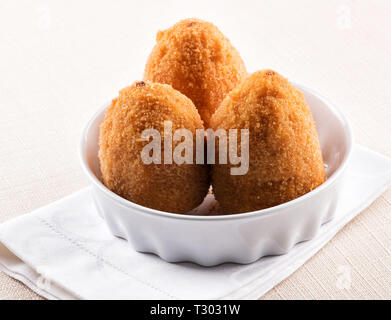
(174, 187)
(198, 60)
(285, 160)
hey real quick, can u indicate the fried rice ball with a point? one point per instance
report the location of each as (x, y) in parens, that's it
(285, 157)
(198, 60)
(166, 187)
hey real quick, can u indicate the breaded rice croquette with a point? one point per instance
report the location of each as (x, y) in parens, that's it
(285, 157)
(166, 187)
(198, 60)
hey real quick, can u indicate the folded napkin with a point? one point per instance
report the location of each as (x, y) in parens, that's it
(65, 251)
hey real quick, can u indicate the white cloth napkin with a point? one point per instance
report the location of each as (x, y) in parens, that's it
(65, 251)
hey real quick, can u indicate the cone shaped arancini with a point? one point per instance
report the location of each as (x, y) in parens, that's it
(285, 159)
(198, 60)
(176, 188)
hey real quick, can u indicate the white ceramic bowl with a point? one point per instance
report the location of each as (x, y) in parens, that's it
(240, 238)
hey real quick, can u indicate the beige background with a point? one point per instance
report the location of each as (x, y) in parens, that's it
(61, 60)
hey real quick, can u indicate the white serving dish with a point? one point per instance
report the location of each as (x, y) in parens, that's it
(240, 238)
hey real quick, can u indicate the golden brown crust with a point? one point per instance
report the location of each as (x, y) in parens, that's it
(198, 60)
(285, 157)
(167, 187)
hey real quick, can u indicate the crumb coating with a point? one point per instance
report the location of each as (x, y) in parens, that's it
(166, 187)
(198, 60)
(285, 157)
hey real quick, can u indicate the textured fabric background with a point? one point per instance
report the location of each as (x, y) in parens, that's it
(60, 60)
